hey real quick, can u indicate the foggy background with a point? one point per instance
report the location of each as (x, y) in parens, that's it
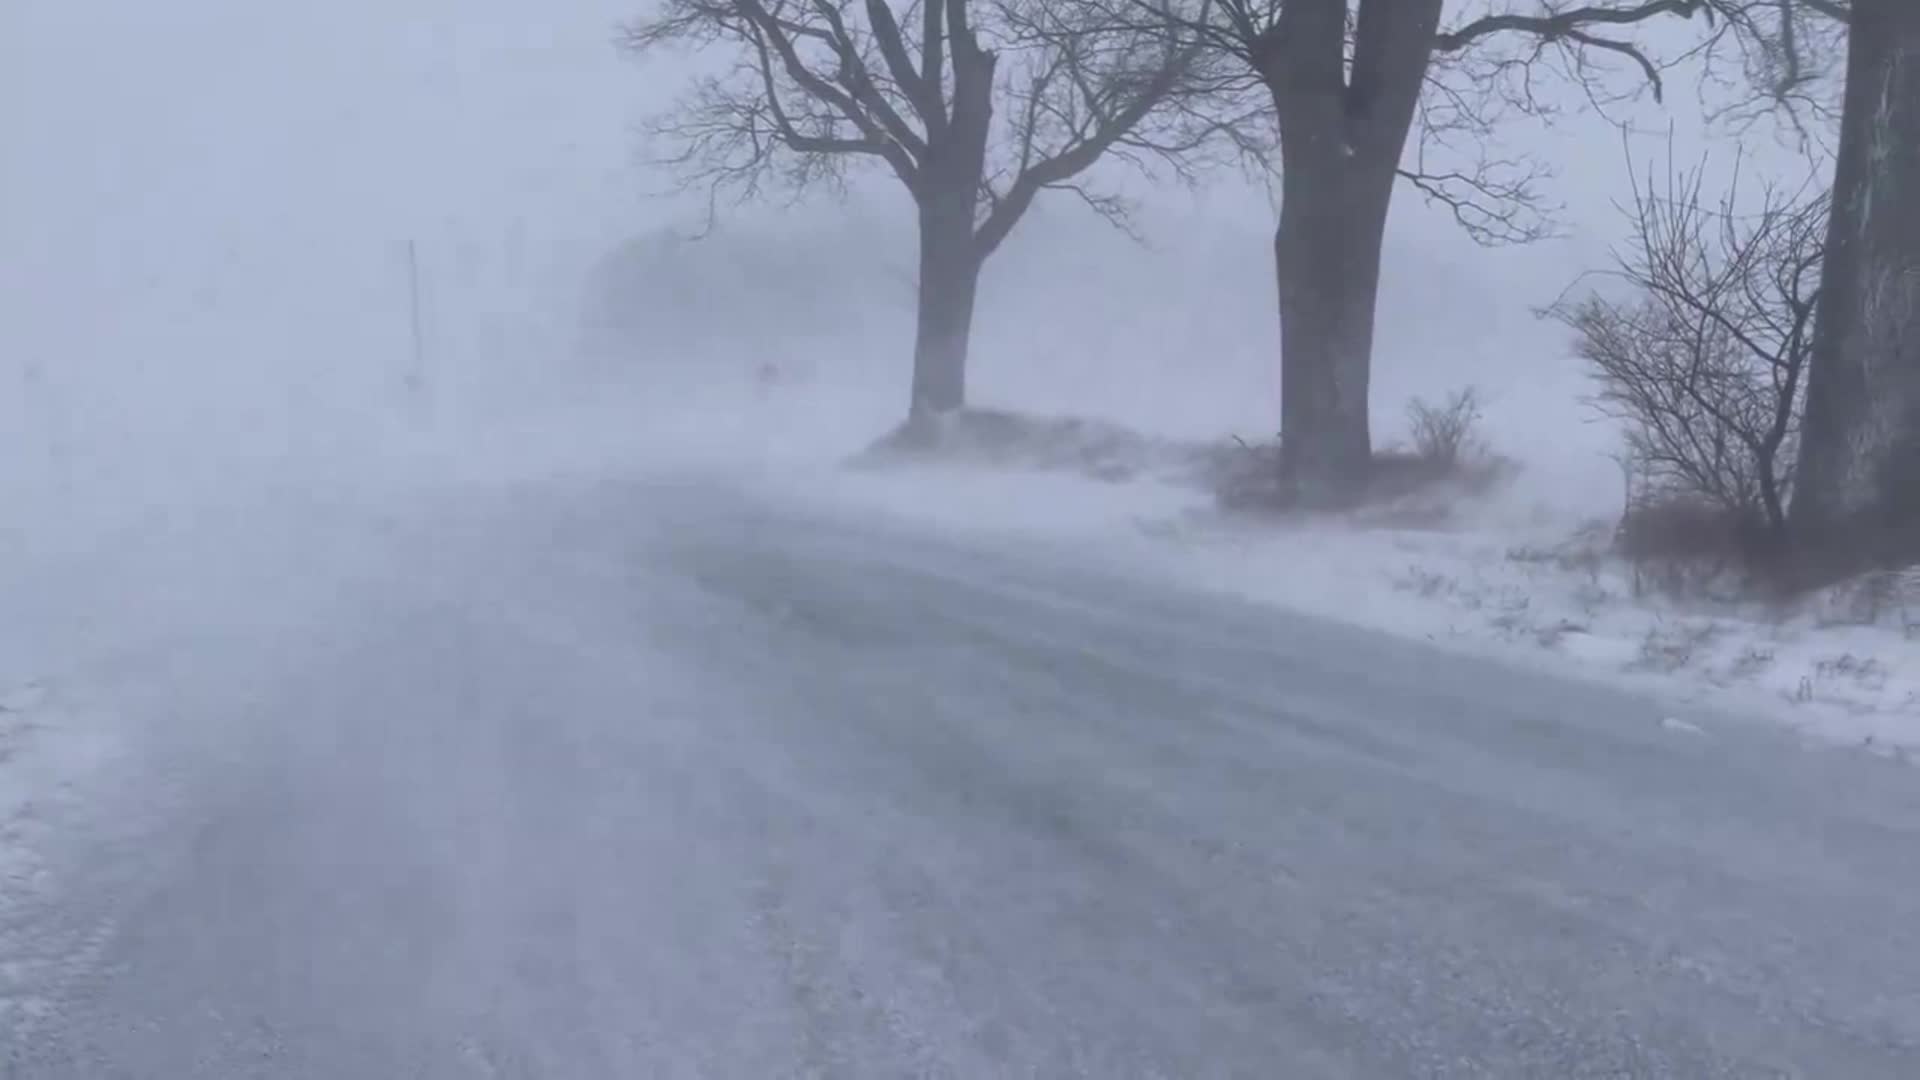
(208, 207)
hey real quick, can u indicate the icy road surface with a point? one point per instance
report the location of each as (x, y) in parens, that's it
(641, 780)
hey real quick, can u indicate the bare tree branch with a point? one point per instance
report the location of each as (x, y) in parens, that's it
(1470, 86)
(1704, 359)
(1002, 99)
(924, 95)
(1785, 57)
(1550, 25)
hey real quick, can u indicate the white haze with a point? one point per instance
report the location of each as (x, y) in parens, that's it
(237, 556)
(208, 206)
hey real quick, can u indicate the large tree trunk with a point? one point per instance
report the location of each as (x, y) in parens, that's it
(949, 281)
(1857, 489)
(1327, 266)
(950, 255)
(1343, 128)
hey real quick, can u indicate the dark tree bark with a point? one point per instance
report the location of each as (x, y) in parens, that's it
(950, 265)
(1858, 492)
(1327, 267)
(1341, 138)
(952, 175)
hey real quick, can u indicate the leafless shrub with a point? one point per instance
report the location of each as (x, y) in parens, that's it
(998, 438)
(1703, 361)
(1249, 477)
(1684, 528)
(1447, 432)
(1686, 547)
(1415, 487)
(1875, 597)
(1865, 671)
(1447, 462)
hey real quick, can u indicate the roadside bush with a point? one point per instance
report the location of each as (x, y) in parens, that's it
(997, 438)
(1703, 359)
(1420, 484)
(1447, 433)
(1683, 545)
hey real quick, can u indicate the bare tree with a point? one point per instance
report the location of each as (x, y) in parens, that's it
(1705, 356)
(1768, 59)
(974, 106)
(1348, 80)
(1859, 483)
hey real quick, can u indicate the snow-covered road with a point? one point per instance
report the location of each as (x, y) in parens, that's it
(638, 779)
